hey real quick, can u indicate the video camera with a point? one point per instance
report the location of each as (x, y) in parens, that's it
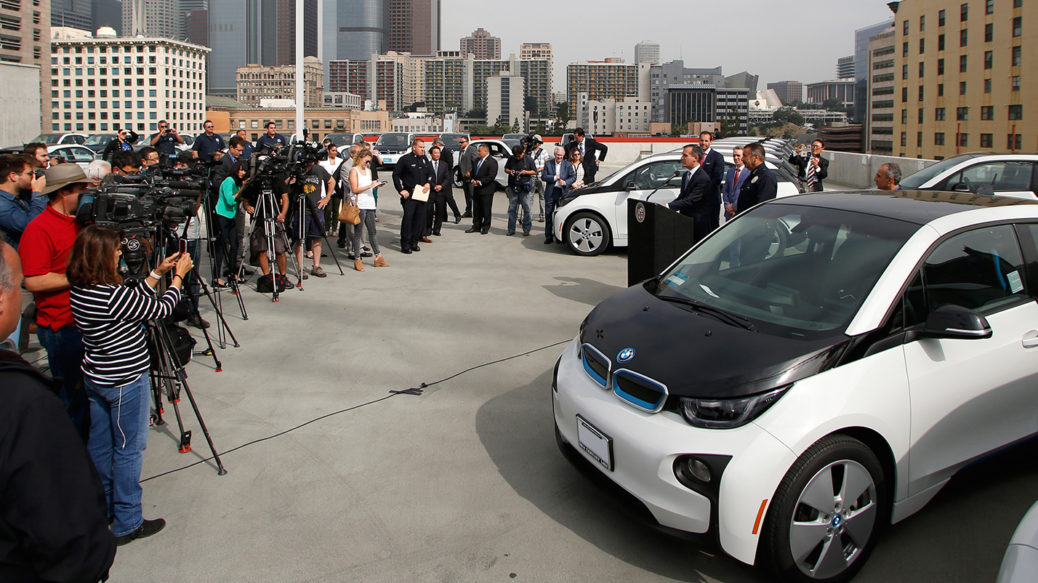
(293, 161)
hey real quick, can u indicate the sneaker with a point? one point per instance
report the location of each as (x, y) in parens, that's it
(350, 256)
(318, 272)
(146, 529)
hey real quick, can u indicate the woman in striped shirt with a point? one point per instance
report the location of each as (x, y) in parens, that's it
(110, 317)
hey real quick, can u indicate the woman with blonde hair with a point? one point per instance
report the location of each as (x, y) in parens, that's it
(362, 188)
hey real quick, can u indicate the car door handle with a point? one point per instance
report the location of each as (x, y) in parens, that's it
(1030, 339)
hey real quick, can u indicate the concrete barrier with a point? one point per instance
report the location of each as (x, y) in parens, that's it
(857, 170)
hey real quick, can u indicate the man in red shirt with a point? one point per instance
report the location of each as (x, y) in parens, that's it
(44, 250)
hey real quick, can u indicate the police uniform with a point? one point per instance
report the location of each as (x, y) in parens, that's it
(760, 186)
(411, 171)
(271, 144)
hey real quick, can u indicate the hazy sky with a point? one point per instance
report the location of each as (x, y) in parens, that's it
(774, 39)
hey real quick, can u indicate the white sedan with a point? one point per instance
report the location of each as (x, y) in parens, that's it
(589, 219)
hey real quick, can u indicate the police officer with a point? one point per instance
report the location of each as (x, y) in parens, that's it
(412, 170)
(272, 140)
(207, 144)
(165, 141)
(761, 184)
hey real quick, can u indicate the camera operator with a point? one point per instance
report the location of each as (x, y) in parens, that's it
(258, 244)
(126, 163)
(20, 198)
(521, 172)
(123, 142)
(540, 157)
(165, 141)
(53, 522)
(316, 186)
(149, 158)
(115, 366)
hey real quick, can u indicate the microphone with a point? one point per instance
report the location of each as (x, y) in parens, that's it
(665, 183)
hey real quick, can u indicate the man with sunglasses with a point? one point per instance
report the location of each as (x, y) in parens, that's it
(165, 141)
(123, 142)
(207, 144)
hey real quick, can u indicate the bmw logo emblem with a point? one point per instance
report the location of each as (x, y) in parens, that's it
(625, 355)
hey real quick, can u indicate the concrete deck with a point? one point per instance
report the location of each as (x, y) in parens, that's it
(332, 478)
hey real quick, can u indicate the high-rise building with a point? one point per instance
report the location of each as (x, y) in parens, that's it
(879, 120)
(505, 100)
(965, 77)
(72, 13)
(26, 40)
(235, 39)
(840, 90)
(257, 82)
(196, 27)
(744, 80)
(608, 79)
(845, 67)
(152, 18)
(790, 92)
(674, 73)
(412, 26)
(647, 51)
(285, 16)
(107, 13)
(454, 84)
(135, 83)
(691, 103)
(861, 65)
(481, 44)
(540, 52)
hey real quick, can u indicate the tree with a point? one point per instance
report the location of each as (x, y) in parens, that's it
(477, 113)
(530, 104)
(562, 117)
(788, 115)
(516, 127)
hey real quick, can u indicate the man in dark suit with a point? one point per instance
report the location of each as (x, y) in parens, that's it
(761, 184)
(557, 177)
(694, 197)
(732, 183)
(713, 165)
(592, 152)
(448, 158)
(412, 171)
(812, 169)
(484, 182)
(440, 193)
(467, 158)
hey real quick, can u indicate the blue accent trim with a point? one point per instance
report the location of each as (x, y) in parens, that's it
(635, 401)
(587, 367)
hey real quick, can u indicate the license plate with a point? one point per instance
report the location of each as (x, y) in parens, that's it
(596, 444)
(387, 159)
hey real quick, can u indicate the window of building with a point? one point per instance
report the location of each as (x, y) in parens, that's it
(904, 116)
(989, 32)
(989, 7)
(985, 140)
(1017, 26)
(920, 117)
(1015, 61)
(1018, 3)
(987, 112)
(989, 57)
(940, 42)
(940, 90)
(922, 46)
(964, 140)
(964, 12)
(922, 69)
(938, 114)
(963, 37)
(962, 63)
(922, 23)
(1014, 83)
(962, 114)
(987, 85)
(1016, 112)
(904, 72)
(921, 93)
(904, 27)
(940, 17)
(904, 95)
(940, 66)
(904, 139)
(919, 139)
(1014, 141)
(904, 49)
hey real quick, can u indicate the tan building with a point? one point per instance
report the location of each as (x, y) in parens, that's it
(320, 121)
(26, 40)
(256, 83)
(600, 80)
(482, 45)
(966, 77)
(879, 122)
(540, 52)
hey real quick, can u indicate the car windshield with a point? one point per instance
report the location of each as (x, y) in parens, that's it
(927, 174)
(796, 270)
(49, 139)
(98, 139)
(392, 141)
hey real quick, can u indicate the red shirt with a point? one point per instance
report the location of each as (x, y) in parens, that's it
(44, 248)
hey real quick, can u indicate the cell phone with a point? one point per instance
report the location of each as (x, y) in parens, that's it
(183, 246)
(38, 172)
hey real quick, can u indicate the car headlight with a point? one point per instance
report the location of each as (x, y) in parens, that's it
(728, 413)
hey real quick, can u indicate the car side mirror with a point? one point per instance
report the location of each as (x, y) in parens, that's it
(951, 321)
(959, 187)
(630, 186)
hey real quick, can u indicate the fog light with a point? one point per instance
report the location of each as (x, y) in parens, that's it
(690, 468)
(699, 470)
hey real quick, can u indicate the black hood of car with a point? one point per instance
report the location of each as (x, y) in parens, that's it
(697, 355)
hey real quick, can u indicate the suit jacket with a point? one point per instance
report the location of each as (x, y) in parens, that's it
(759, 187)
(223, 170)
(487, 176)
(713, 165)
(730, 190)
(694, 200)
(441, 176)
(801, 162)
(468, 159)
(593, 150)
(552, 171)
(446, 155)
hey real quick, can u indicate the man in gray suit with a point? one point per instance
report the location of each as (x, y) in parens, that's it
(467, 159)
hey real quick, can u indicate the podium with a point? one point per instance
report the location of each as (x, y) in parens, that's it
(656, 236)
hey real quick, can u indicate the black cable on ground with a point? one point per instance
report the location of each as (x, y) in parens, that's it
(393, 393)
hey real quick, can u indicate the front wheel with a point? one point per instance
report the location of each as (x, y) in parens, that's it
(586, 234)
(827, 513)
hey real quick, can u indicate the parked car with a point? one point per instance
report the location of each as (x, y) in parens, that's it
(345, 139)
(568, 137)
(814, 369)
(499, 149)
(516, 137)
(81, 155)
(1020, 563)
(589, 219)
(393, 145)
(67, 138)
(98, 142)
(1004, 174)
(453, 141)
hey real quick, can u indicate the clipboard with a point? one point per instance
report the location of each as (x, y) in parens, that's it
(420, 193)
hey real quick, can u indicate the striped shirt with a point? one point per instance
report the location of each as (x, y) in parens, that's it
(111, 318)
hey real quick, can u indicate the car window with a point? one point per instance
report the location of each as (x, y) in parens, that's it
(654, 175)
(80, 154)
(1003, 176)
(980, 269)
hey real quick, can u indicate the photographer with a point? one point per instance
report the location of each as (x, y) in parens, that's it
(115, 366)
(165, 141)
(125, 163)
(123, 142)
(316, 186)
(521, 171)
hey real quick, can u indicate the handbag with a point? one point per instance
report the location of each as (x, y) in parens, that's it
(349, 212)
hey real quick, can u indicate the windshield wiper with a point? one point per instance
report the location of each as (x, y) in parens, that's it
(718, 313)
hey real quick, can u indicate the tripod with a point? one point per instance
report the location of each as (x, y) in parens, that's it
(168, 375)
(304, 204)
(271, 235)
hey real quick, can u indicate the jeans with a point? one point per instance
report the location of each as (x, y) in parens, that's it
(65, 354)
(367, 219)
(551, 201)
(516, 196)
(118, 436)
(226, 246)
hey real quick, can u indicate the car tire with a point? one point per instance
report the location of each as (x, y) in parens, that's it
(457, 178)
(586, 233)
(811, 533)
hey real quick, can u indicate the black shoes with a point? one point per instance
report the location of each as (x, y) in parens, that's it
(510, 233)
(472, 230)
(415, 248)
(484, 231)
(526, 233)
(146, 529)
(457, 219)
(437, 234)
(549, 241)
(406, 250)
(197, 321)
(467, 215)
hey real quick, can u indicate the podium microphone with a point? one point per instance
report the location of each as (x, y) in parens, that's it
(665, 183)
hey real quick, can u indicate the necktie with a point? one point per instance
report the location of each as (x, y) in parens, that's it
(436, 168)
(479, 165)
(811, 179)
(688, 174)
(735, 181)
(581, 149)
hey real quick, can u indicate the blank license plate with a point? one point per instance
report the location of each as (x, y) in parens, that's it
(596, 444)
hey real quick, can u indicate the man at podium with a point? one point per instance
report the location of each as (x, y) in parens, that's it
(694, 197)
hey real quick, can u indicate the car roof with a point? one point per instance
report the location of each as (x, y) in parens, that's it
(914, 206)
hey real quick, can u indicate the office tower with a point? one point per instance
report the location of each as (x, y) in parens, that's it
(235, 39)
(257, 82)
(879, 118)
(482, 45)
(151, 18)
(412, 26)
(608, 79)
(790, 92)
(72, 13)
(647, 52)
(505, 100)
(27, 41)
(845, 67)
(861, 65)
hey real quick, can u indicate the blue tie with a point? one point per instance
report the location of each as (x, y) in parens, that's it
(688, 174)
(480, 165)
